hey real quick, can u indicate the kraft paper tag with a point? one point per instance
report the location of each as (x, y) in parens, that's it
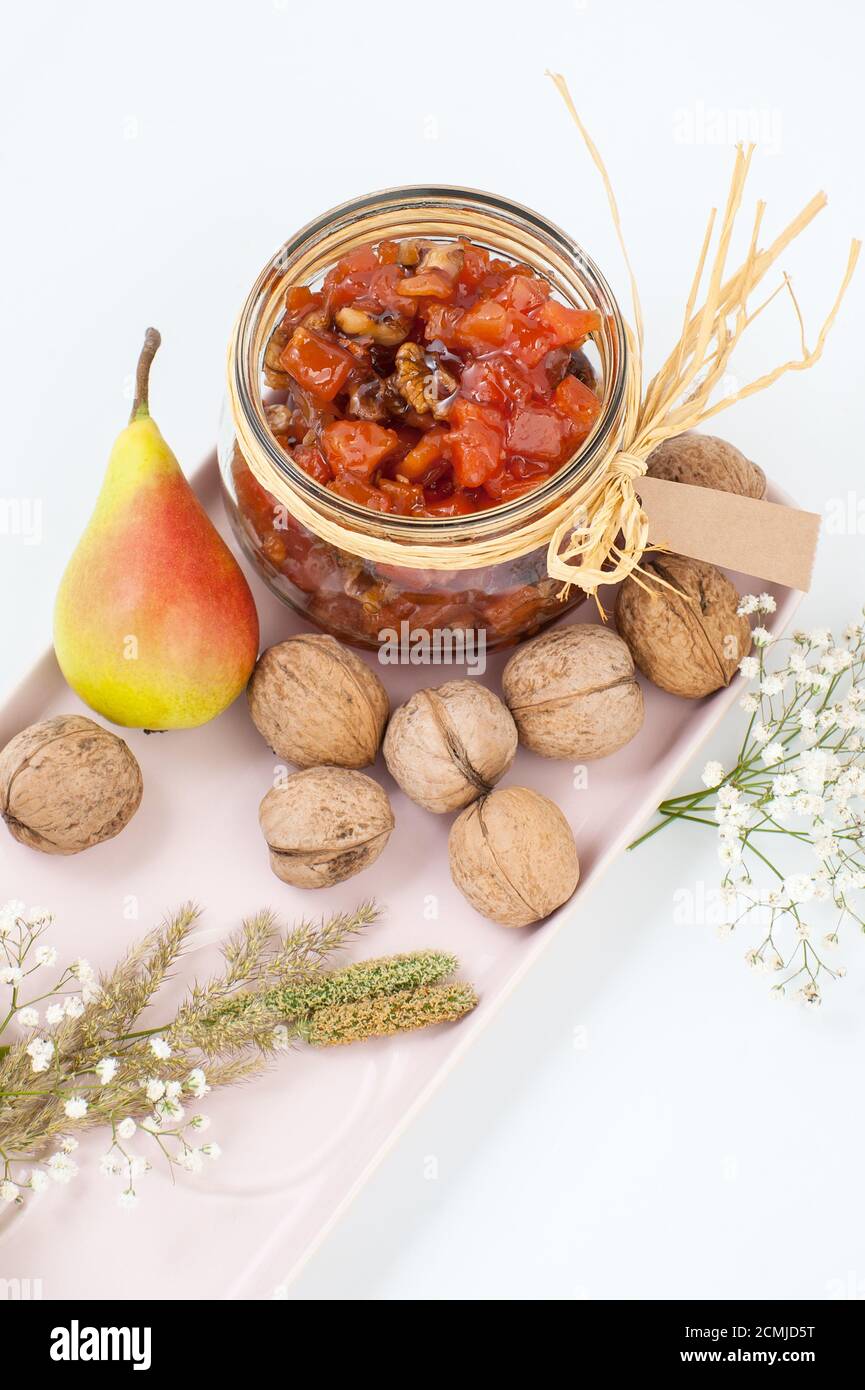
(762, 539)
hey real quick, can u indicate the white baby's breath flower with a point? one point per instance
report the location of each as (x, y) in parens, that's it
(836, 659)
(773, 753)
(61, 1167)
(766, 603)
(761, 733)
(826, 847)
(9, 1191)
(197, 1083)
(75, 1108)
(773, 685)
(40, 1051)
(106, 1070)
(160, 1048)
(750, 667)
(74, 1006)
(211, 1151)
(11, 975)
(37, 1180)
(713, 773)
(45, 955)
(54, 1014)
(785, 784)
(199, 1122)
(154, 1088)
(127, 1199)
(39, 917)
(748, 603)
(761, 637)
(68, 1145)
(799, 888)
(126, 1128)
(11, 913)
(111, 1164)
(749, 703)
(169, 1111)
(28, 1017)
(730, 852)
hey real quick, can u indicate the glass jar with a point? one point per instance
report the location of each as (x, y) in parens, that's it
(365, 602)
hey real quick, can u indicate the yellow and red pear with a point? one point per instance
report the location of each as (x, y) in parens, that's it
(154, 626)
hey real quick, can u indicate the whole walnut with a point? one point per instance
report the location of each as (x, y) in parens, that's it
(447, 746)
(67, 784)
(323, 825)
(574, 693)
(315, 702)
(704, 460)
(513, 856)
(687, 638)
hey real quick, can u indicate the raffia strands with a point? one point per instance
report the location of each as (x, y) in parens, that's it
(389, 1013)
(605, 537)
(598, 533)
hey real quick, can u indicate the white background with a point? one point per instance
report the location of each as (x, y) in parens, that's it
(641, 1121)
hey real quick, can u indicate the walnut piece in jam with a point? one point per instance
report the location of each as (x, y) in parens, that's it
(430, 379)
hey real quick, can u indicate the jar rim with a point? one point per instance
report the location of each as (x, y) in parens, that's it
(246, 356)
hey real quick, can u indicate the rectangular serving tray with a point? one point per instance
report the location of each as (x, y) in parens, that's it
(299, 1144)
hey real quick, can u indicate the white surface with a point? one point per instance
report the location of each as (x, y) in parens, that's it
(641, 1121)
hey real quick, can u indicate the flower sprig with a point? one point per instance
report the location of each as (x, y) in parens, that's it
(796, 788)
(77, 1056)
(86, 1061)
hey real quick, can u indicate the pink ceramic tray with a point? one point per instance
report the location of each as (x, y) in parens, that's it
(299, 1144)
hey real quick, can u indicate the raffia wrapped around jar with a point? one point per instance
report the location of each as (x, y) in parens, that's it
(598, 532)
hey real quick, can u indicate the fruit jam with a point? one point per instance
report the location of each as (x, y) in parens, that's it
(430, 379)
(421, 368)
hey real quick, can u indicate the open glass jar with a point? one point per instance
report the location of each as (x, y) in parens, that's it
(365, 601)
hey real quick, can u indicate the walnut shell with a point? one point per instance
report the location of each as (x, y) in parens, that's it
(704, 460)
(513, 856)
(574, 693)
(67, 784)
(324, 824)
(448, 746)
(688, 639)
(315, 702)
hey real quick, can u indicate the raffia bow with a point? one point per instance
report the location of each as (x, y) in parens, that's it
(599, 533)
(604, 539)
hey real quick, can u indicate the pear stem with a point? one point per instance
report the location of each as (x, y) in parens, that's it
(140, 405)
